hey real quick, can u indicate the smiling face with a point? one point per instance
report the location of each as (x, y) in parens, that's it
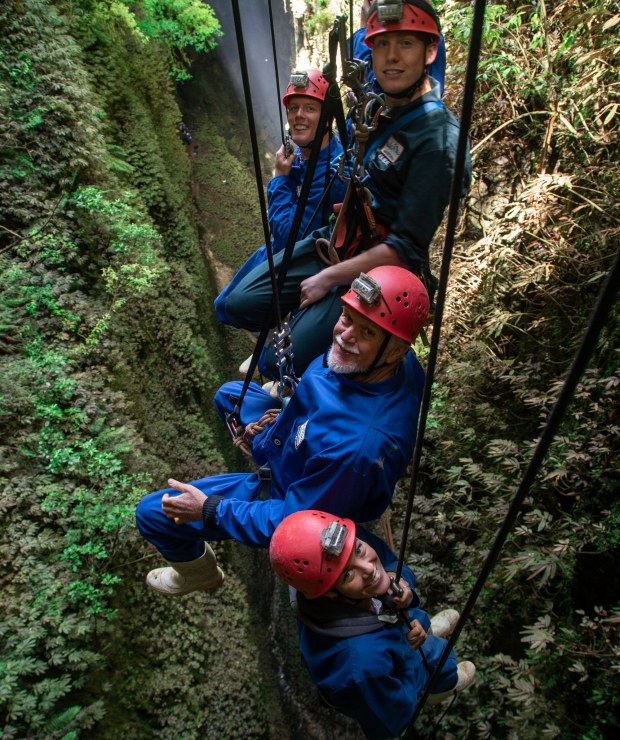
(363, 575)
(303, 115)
(356, 343)
(399, 59)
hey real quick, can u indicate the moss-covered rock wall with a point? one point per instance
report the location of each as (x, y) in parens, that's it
(109, 359)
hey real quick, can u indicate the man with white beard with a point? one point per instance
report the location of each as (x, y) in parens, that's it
(340, 444)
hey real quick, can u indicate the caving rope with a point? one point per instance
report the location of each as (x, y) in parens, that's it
(276, 72)
(455, 198)
(596, 323)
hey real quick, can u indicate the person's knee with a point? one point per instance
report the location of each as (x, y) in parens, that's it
(219, 305)
(226, 397)
(146, 512)
(234, 307)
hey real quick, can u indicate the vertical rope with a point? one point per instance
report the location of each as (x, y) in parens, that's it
(275, 69)
(598, 318)
(255, 153)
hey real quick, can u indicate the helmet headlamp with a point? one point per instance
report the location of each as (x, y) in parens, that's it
(390, 11)
(333, 538)
(366, 288)
(299, 79)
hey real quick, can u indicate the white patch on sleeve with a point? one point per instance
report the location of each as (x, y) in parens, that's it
(301, 434)
(379, 462)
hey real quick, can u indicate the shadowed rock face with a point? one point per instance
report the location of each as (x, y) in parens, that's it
(266, 97)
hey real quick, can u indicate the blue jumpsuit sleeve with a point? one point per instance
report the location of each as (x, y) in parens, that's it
(326, 485)
(282, 200)
(283, 196)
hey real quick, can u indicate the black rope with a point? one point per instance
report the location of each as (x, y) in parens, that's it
(337, 41)
(275, 69)
(322, 202)
(350, 30)
(598, 318)
(455, 198)
(253, 138)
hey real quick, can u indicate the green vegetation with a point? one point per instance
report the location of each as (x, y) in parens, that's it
(108, 360)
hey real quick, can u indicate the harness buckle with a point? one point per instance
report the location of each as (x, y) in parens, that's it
(233, 424)
(390, 609)
(283, 350)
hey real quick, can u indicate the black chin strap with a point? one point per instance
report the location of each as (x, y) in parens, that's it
(410, 91)
(375, 363)
(309, 144)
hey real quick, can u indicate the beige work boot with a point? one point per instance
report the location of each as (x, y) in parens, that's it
(272, 388)
(466, 674)
(179, 579)
(444, 622)
(245, 365)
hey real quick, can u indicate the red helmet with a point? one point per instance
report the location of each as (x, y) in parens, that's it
(391, 297)
(401, 15)
(312, 84)
(310, 549)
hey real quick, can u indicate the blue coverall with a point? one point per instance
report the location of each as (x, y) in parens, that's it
(375, 677)
(337, 446)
